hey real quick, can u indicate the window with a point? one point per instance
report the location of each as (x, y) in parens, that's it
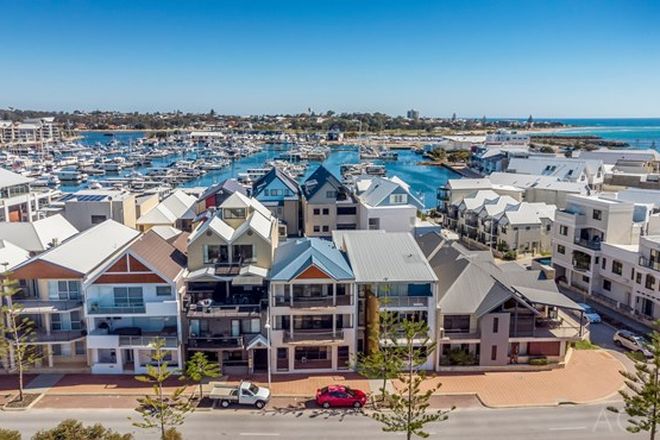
(604, 264)
(64, 289)
(607, 285)
(496, 325)
(346, 226)
(457, 324)
(398, 199)
(233, 213)
(317, 228)
(597, 214)
(561, 249)
(303, 354)
(638, 278)
(326, 228)
(96, 219)
(331, 194)
(56, 322)
(317, 211)
(585, 279)
(563, 230)
(632, 273)
(326, 211)
(128, 296)
(493, 353)
(374, 223)
(617, 267)
(163, 291)
(215, 253)
(242, 252)
(346, 210)
(650, 281)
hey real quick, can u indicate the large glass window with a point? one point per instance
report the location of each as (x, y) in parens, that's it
(457, 324)
(233, 213)
(312, 322)
(215, 253)
(128, 296)
(311, 353)
(64, 290)
(242, 252)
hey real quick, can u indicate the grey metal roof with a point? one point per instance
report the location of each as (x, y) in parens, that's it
(379, 256)
(293, 257)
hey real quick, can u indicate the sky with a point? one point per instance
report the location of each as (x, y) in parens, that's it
(575, 58)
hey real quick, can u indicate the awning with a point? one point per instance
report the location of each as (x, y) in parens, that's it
(257, 342)
(250, 276)
(204, 274)
(548, 298)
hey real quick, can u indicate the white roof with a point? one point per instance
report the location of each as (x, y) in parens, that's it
(166, 232)
(39, 235)
(9, 178)
(611, 157)
(379, 256)
(530, 213)
(178, 205)
(478, 199)
(11, 255)
(469, 184)
(85, 251)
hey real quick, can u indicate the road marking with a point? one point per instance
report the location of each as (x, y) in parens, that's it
(259, 434)
(567, 428)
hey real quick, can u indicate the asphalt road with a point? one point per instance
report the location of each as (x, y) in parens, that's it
(573, 422)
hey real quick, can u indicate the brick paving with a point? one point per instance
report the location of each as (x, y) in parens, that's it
(591, 375)
(9, 386)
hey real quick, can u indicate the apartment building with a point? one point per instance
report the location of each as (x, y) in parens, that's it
(229, 259)
(89, 207)
(30, 131)
(493, 315)
(386, 203)
(52, 292)
(625, 160)
(18, 201)
(215, 194)
(312, 308)
(176, 210)
(608, 248)
(132, 299)
(280, 193)
(392, 274)
(327, 205)
(488, 159)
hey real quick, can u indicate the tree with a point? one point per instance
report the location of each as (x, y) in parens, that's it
(74, 430)
(18, 333)
(382, 362)
(642, 397)
(160, 410)
(198, 367)
(408, 406)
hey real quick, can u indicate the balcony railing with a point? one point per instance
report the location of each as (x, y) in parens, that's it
(103, 309)
(403, 301)
(313, 335)
(216, 310)
(301, 302)
(219, 342)
(590, 244)
(58, 336)
(145, 341)
(55, 305)
(655, 265)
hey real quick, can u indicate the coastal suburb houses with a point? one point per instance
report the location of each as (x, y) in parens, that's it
(287, 277)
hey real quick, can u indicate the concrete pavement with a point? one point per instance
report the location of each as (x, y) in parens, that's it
(569, 422)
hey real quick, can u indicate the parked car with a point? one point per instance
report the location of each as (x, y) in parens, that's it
(246, 393)
(592, 316)
(632, 342)
(340, 396)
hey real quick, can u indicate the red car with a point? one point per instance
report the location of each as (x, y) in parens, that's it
(340, 395)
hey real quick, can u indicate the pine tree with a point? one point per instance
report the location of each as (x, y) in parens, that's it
(160, 410)
(408, 407)
(198, 368)
(17, 333)
(642, 397)
(384, 362)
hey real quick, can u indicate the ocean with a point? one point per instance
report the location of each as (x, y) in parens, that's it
(423, 180)
(638, 133)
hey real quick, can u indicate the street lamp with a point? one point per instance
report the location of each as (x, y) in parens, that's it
(267, 326)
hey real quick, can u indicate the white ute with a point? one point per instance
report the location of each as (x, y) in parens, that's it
(246, 393)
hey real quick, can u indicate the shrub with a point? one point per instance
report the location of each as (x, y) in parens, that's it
(510, 255)
(459, 357)
(74, 430)
(584, 345)
(8, 434)
(539, 361)
(172, 434)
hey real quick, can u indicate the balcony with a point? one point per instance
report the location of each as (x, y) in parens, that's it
(301, 335)
(593, 244)
(645, 262)
(217, 310)
(217, 342)
(147, 341)
(58, 336)
(110, 309)
(47, 306)
(311, 302)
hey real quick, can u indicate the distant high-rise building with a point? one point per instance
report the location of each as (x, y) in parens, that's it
(412, 114)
